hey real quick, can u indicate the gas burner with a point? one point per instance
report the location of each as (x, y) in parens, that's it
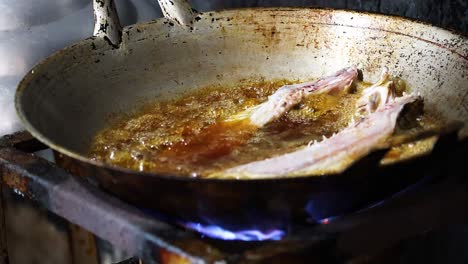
(153, 240)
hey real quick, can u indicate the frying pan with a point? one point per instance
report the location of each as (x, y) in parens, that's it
(67, 98)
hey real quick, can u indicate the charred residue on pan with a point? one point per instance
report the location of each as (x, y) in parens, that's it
(103, 27)
(100, 2)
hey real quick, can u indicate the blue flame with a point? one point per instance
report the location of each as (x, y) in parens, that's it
(218, 232)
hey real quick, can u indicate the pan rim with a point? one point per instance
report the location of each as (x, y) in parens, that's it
(82, 158)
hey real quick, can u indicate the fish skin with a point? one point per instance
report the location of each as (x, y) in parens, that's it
(288, 96)
(332, 155)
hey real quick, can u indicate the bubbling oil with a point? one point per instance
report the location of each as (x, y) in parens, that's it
(188, 135)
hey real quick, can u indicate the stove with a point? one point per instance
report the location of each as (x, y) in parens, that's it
(370, 235)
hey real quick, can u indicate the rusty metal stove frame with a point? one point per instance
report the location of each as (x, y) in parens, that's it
(126, 227)
(81, 203)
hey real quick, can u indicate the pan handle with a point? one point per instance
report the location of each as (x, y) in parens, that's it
(107, 24)
(106, 21)
(178, 11)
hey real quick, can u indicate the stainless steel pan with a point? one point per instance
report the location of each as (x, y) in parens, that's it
(67, 98)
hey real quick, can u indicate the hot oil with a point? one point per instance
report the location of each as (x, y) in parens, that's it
(189, 135)
(416, 148)
(318, 116)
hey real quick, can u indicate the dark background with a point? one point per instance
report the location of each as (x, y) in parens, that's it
(446, 13)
